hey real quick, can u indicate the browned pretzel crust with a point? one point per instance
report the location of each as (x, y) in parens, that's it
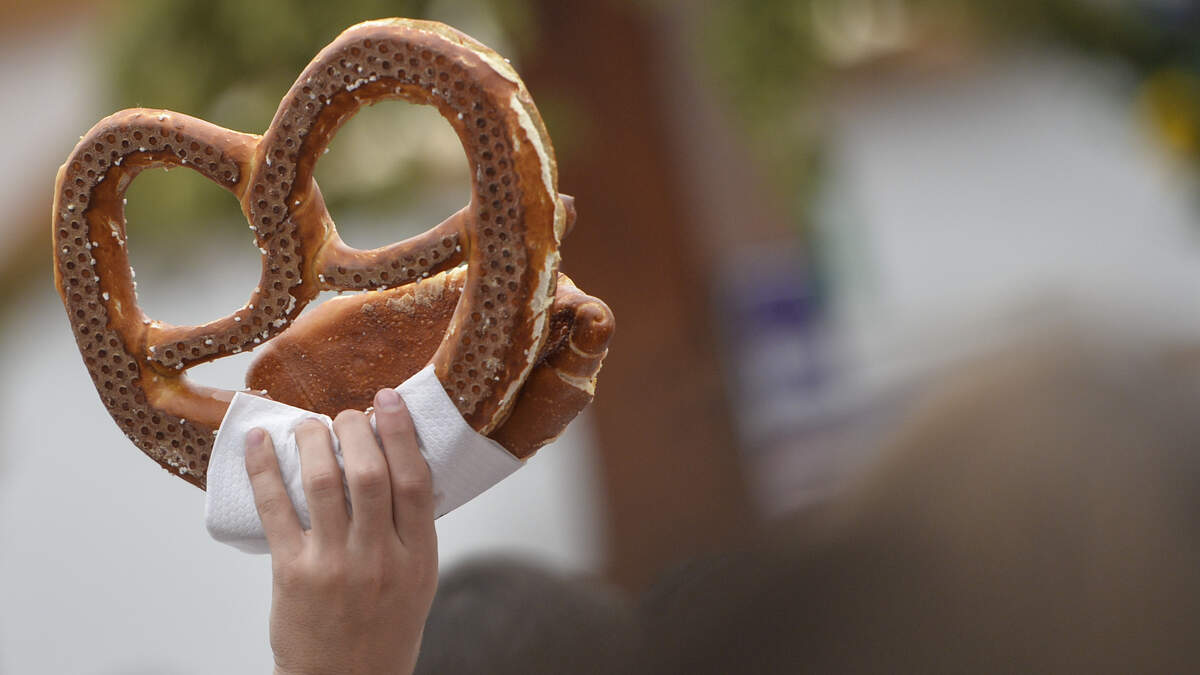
(508, 235)
(375, 340)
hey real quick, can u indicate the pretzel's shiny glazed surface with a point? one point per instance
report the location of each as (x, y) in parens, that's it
(508, 235)
(376, 339)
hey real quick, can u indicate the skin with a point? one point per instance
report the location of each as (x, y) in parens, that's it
(350, 595)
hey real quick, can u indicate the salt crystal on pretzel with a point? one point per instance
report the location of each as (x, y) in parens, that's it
(508, 236)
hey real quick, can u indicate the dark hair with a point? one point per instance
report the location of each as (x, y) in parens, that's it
(506, 617)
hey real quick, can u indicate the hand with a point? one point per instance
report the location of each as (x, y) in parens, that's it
(351, 594)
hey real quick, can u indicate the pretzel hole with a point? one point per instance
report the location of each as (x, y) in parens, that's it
(194, 257)
(392, 172)
(227, 372)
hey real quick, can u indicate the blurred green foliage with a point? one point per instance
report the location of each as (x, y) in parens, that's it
(230, 62)
(765, 61)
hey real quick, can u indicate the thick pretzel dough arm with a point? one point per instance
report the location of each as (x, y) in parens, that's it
(560, 386)
(568, 203)
(341, 267)
(200, 405)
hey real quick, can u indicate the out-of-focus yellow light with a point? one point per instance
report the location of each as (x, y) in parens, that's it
(1171, 101)
(852, 31)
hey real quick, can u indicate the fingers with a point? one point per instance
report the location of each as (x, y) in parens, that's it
(279, 519)
(367, 475)
(412, 486)
(322, 479)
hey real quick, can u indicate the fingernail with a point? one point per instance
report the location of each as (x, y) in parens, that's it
(256, 437)
(387, 400)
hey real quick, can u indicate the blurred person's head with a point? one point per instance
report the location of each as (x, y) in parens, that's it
(506, 617)
(1040, 514)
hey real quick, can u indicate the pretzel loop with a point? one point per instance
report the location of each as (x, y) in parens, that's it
(508, 234)
(89, 239)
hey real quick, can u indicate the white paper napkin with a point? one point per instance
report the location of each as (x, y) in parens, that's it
(463, 463)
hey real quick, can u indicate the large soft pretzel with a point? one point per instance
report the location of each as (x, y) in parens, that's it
(508, 236)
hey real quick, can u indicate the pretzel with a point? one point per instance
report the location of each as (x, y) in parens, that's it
(507, 236)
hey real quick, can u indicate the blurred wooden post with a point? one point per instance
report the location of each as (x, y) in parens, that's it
(669, 465)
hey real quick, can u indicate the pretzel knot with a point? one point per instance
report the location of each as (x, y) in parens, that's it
(516, 351)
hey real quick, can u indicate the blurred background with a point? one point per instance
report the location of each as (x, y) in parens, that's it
(799, 211)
